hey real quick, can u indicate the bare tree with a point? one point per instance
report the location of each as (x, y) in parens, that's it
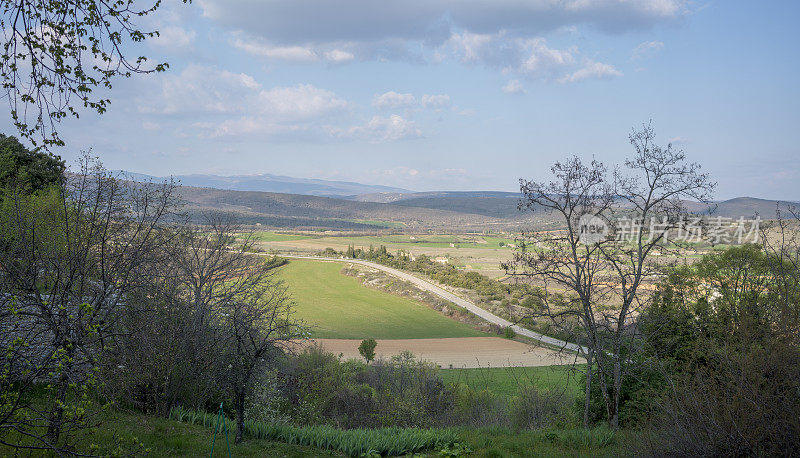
(259, 325)
(71, 255)
(598, 263)
(780, 240)
(212, 318)
(238, 291)
(559, 260)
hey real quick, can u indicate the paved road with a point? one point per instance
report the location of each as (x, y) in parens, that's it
(447, 295)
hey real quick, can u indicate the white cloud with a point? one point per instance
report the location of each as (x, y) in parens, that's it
(531, 57)
(246, 107)
(382, 129)
(591, 70)
(393, 100)
(542, 60)
(174, 37)
(247, 125)
(436, 101)
(514, 87)
(209, 90)
(302, 101)
(646, 49)
(501, 34)
(198, 89)
(324, 21)
(338, 56)
(289, 53)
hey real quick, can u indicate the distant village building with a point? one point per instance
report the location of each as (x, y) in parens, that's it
(452, 245)
(441, 260)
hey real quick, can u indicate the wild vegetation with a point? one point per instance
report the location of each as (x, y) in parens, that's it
(118, 312)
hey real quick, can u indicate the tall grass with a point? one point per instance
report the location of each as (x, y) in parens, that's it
(352, 442)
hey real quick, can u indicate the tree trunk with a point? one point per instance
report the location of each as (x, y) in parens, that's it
(56, 420)
(239, 401)
(57, 415)
(614, 420)
(587, 403)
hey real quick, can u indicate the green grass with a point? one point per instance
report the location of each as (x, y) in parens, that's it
(386, 224)
(123, 433)
(338, 306)
(500, 442)
(353, 442)
(508, 381)
(265, 236)
(394, 242)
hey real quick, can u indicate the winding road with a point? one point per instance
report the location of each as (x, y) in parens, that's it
(447, 295)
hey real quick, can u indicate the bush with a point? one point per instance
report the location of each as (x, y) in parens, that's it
(351, 394)
(534, 409)
(743, 402)
(367, 349)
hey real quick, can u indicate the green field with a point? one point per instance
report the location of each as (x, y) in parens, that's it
(340, 307)
(264, 236)
(426, 241)
(508, 381)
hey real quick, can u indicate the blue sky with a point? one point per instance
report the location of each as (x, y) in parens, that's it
(457, 94)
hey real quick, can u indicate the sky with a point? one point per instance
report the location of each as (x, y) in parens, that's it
(456, 94)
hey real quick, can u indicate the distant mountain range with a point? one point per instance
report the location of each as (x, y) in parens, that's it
(275, 183)
(281, 201)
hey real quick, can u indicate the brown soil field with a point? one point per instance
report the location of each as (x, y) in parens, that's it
(461, 352)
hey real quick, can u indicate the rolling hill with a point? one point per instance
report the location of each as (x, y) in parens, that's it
(294, 210)
(274, 183)
(453, 211)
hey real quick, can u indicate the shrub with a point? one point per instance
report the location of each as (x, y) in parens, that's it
(367, 349)
(743, 402)
(534, 409)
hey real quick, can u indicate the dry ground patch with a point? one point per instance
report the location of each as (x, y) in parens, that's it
(459, 352)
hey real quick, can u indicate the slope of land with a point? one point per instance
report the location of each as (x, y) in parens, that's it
(293, 210)
(459, 301)
(338, 306)
(747, 207)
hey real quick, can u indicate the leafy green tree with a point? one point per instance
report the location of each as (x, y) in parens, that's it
(367, 349)
(55, 54)
(70, 256)
(27, 171)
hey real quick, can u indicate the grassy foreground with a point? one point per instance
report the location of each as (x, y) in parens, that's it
(163, 437)
(340, 307)
(125, 433)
